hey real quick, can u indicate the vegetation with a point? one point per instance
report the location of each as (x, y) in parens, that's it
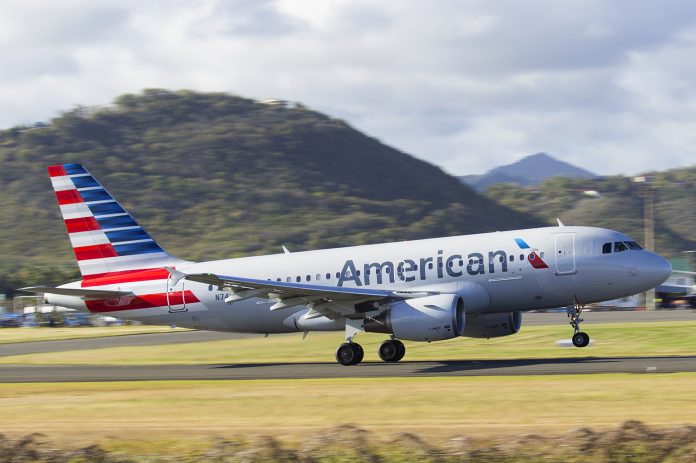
(213, 175)
(619, 205)
(630, 442)
(406, 419)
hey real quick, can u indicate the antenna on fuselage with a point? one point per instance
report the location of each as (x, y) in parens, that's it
(560, 224)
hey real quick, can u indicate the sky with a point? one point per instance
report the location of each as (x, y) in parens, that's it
(609, 86)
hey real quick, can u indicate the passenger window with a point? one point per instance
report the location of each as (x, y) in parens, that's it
(633, 245)
(606, 248)
(318, 277)
(288, 279)
(357, 273)
(298, 279)
(512, 258)
(338, 275)
(619, 247)
(328, 276)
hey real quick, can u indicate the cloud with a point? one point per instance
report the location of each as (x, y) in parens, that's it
(608, 86)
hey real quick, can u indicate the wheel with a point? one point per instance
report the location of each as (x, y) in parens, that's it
(359, 353)
(349, 353)
(581, 339)
(388, 351)
(391, 350)
(402, 349)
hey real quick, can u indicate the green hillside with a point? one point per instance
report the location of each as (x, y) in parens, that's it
(214, 176)
(619, 205)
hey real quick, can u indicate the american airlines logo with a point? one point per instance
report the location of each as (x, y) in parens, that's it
(425, 268)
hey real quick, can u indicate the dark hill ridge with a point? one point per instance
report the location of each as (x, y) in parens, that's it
(213, 175)
(531, 170)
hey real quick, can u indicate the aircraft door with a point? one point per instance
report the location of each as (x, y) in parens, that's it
(176, 297)
(565, 254)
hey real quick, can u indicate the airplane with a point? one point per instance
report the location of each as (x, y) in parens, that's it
(422, 290)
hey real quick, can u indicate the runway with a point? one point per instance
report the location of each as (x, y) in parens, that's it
(179, 337)
(587, 365)
(542, 366)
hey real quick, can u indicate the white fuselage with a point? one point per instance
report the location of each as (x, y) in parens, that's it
(567, 266)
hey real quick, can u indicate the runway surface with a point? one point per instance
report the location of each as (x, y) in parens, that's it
(551, 366)
(83, 373)
(178, 337)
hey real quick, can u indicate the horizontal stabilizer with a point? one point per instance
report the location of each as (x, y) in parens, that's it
(77, 292)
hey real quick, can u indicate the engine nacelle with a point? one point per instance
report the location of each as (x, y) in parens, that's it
(429, 318)
(492, 325)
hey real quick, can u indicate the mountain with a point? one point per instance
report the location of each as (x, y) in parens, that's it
(616, 203)
(531, 170)
(213, 175)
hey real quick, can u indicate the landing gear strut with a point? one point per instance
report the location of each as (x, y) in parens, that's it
(580, 338)
(392, 350)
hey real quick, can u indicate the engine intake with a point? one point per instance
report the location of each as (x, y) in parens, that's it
(429, 318)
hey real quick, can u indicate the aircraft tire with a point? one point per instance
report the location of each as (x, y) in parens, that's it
(349, 353)
(359, 353)
(391, 350)
(581, 339)
(402, 350)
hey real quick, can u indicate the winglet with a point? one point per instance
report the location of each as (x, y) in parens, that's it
(560, 224)
(285, 250)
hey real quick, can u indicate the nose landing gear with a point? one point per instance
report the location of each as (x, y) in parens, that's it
(580, 338)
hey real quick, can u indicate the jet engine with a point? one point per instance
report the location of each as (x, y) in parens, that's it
(429, 318)
(492, 325)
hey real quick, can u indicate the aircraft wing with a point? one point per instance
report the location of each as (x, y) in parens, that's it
(78, 292)
(327, 300)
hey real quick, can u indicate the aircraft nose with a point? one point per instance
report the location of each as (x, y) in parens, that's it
(659, 269)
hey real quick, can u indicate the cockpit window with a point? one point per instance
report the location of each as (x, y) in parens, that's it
(619, 247)
(606, 248)
(633, 245)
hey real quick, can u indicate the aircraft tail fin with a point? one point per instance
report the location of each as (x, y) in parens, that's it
(104, 236)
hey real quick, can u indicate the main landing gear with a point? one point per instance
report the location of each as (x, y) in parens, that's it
(580, 338)
(349, 353)
(392, 350)
(352, 353)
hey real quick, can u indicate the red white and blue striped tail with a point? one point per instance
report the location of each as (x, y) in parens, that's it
(104, 236)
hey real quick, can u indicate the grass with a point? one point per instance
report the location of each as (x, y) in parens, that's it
(610, 340)
(12, 335)
(182, 414)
